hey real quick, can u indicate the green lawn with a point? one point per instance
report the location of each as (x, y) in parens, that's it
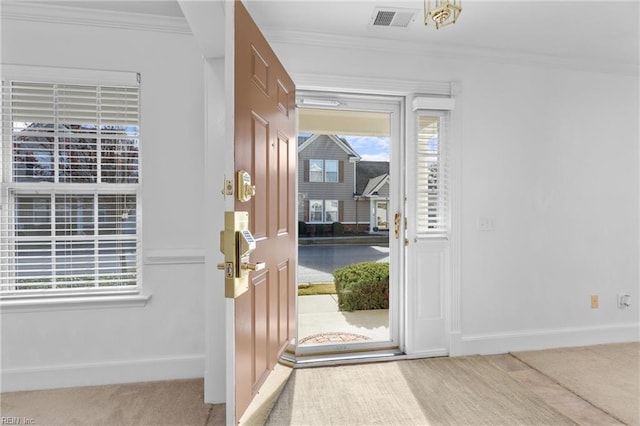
(320, 288)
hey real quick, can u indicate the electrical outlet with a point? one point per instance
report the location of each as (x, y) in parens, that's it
(624, 300)
(595, 302)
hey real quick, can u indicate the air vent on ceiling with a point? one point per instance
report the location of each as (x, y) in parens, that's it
(392, 17)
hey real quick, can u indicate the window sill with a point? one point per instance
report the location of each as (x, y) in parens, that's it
(73, 303)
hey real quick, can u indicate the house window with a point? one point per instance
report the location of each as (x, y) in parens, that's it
(70, 199)
(316, 210)
(316, 171)
(323, 211)
(331, 170)
(323, 170)
(331, 211)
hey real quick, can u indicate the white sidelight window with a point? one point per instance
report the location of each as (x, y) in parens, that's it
(431, 180)
(70, 201)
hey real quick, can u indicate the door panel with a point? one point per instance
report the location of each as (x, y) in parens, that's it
(260, 148)
(428, 275)
(265, 146)
(260, 285)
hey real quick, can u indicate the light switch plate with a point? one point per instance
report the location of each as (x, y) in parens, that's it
(486, 224)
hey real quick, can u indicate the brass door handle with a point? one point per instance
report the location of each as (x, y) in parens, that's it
(252, 266)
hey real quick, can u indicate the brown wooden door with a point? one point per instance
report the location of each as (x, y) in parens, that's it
(266, 147)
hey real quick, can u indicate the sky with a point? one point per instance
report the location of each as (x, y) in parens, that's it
(370, 148)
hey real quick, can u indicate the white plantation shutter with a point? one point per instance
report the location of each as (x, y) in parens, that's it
(70, 171)
(432, 204)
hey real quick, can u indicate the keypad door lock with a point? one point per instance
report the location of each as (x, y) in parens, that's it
(237, 244)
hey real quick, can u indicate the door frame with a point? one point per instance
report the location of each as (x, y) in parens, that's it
(408, 89)
(394, 105)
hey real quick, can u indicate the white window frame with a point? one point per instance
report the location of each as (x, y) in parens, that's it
(327, 171)
(78, 297)
(312, 174)
(324, 172)
(327, 211)
(324, 211)
(311, 217)
(432, 207)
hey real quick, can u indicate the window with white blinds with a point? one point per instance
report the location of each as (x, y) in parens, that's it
(431, 180)
(70, 189)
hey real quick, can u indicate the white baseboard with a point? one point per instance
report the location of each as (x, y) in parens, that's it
(531, 340)
(62, 376)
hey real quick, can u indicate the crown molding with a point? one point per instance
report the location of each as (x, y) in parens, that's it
(90, 17)
(453, 52)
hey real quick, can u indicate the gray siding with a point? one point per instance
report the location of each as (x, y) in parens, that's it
(363, 205)
(324, 148)
(384, 191)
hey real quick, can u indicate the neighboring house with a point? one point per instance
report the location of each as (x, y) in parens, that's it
(372, 192)
(336, 186)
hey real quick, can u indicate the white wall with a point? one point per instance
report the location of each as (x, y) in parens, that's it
(551, 156)
(165, 338)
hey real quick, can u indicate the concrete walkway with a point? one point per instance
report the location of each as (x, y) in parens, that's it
(319, 314)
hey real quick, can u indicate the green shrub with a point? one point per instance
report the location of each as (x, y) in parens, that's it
(337, 228)
(362, 286)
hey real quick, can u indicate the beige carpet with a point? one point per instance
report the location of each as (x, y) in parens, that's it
(608, 376)
(444, 391)
(176, 402)
(590, 386)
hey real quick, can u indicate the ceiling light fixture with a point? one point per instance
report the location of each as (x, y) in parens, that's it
(442, 12)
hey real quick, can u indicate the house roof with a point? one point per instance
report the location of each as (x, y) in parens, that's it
(302, 139)
(375, 184)
(370, 176)
(304, 142)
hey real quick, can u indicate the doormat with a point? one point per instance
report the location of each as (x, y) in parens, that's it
(332, 337)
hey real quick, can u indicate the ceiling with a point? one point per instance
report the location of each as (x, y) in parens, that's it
(585, 30)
